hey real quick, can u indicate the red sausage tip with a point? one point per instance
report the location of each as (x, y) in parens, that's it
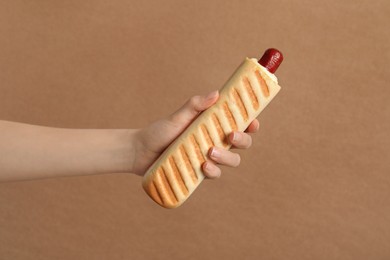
(271, 59)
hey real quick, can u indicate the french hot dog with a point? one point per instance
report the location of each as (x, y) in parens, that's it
(173, 177)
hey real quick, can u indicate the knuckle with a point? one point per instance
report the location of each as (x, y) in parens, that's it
(175, 117)
(193, 101)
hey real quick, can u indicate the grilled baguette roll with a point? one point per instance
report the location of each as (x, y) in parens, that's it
(177, 172)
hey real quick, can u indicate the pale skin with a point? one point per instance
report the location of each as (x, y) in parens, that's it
(30, 152)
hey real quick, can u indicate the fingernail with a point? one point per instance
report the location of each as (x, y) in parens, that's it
(207, 166)
(236, 137)
(214, 153)
(211, 170)
(212, 95)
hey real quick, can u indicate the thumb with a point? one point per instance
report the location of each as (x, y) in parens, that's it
(191, 109)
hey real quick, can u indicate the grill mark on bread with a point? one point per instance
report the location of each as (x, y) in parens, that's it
(251, 93)
(263, 85)
(153, 191)
(178, 176)
(196, 146)
(167, 187)
(229, 116)
(206, 135)
(240, 104)
(218, 126)
(188, 164)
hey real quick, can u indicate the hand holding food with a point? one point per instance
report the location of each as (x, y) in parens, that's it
(178, 171)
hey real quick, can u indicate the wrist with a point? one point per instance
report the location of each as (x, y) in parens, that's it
(132, 142)
(142, 156)
(118, 150)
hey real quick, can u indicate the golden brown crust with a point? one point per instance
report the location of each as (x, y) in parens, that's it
(238, 100)
(251, 93)
(230, 116)
(206, 135)
(151, 189)
(165, 189)
(196, 146)
(177, 175)
(217, 125)
(188, 164)
(263, 85)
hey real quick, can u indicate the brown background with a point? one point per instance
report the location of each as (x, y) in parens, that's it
(315, 184)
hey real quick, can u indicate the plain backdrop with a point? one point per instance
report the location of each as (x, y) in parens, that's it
(315, 184)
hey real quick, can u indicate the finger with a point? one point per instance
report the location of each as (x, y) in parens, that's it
(193, 107)
(224, 157)
(210, 170)
(240, 140)
(253, 127)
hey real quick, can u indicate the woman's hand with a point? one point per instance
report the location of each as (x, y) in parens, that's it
(34, 152)
(152, 140)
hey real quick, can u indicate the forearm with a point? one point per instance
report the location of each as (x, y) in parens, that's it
(31, 152)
